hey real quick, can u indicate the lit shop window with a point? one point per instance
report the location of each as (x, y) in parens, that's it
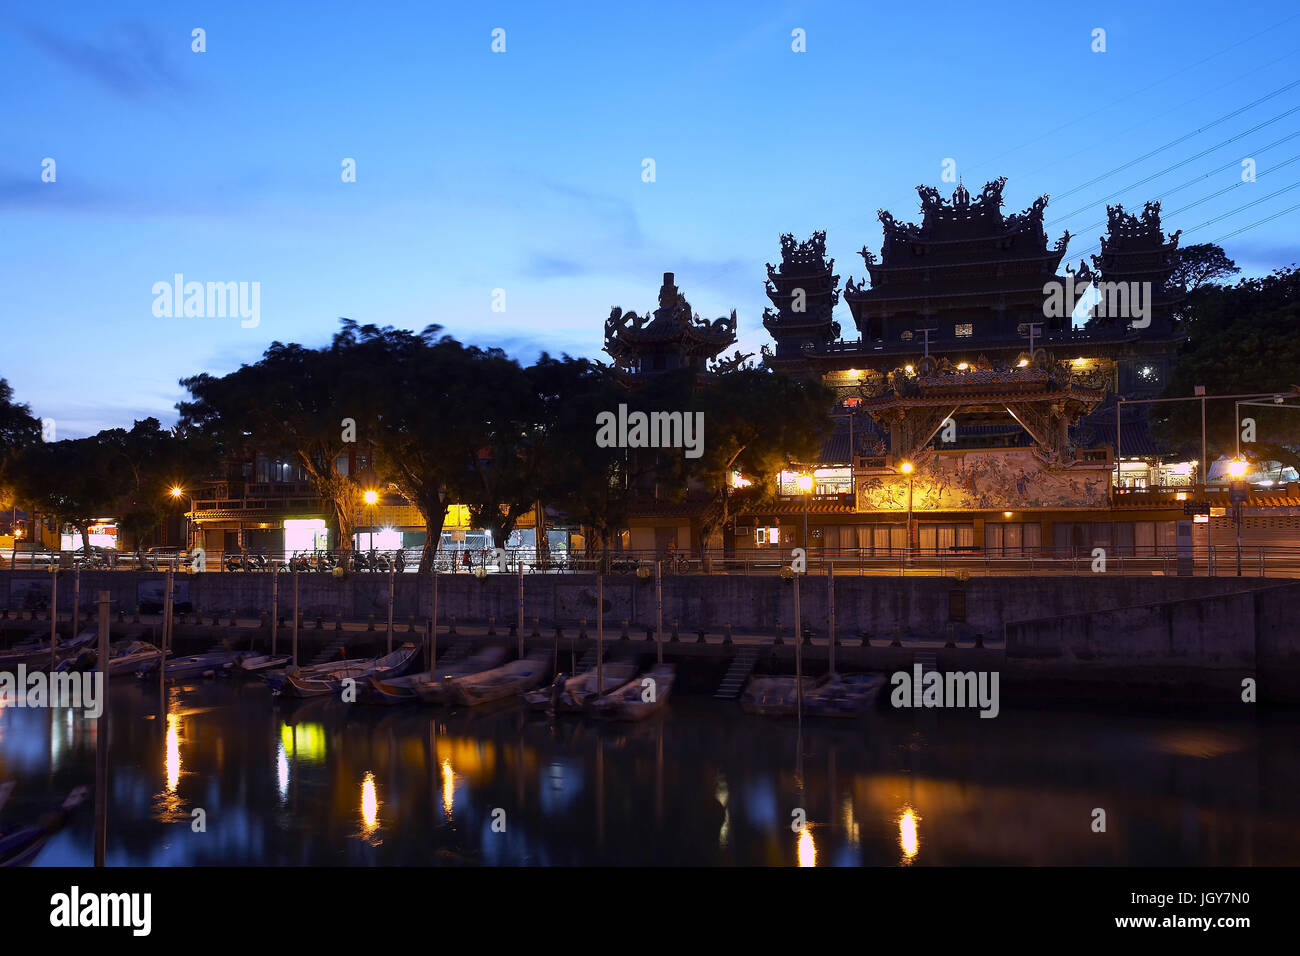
(965, 330)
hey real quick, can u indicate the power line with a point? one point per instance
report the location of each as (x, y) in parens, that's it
(1112, 103)
(1231, 212)
(1186, 136)
(1261, 222)
(1167, 169)
(1196, 179)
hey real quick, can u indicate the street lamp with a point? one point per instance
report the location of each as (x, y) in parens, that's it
(1237, 495)
(906, 468)
(370, 497)
(177, 493)
(805, 486)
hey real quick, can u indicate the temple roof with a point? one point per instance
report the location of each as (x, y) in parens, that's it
(671, 327)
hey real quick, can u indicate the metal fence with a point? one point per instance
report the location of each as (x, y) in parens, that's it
(1215, 560)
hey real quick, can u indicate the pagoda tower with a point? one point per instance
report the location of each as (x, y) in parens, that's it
(967, 272)
(804, 291)
(1136, 252)
(671, 338)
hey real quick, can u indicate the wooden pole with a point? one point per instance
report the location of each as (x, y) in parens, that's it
(830, 599)
(521, 607)
(392, 585)
(433, 645)
(54, 616)
(659, 611)
(295, 617)
(600, 634)
(275, 606)
(101, 739)
(168, 618)
(76, 602)
(798, 652)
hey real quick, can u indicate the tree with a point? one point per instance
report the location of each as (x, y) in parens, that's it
(1240, 339)
(73, 481)
(18, 430)
(295, 402)
(1200, 265)
(757, 422)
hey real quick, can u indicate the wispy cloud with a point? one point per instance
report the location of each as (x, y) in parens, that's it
(133, 60)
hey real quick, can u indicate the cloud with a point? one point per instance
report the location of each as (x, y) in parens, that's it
(133, 61)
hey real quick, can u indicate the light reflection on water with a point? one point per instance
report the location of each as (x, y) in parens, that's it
(321, 782)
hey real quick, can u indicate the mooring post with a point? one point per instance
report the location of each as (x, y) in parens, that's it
(433, 626)
(54, 617)
(659, 611)
(830, 604)
(101, 739)
(600, 633)
(521, 608)
(168, 617)
(295, 617)
(798, 653)
(76, 602)
(275, 607)
(392, 586)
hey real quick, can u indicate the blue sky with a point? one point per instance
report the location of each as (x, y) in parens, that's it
(522, 170)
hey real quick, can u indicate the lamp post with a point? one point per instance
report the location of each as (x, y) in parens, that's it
(177, 492)
(805, 486)
(1237, 495)
(907, 468)
(371, 496)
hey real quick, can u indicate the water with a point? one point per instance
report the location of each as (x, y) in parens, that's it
(325, 783)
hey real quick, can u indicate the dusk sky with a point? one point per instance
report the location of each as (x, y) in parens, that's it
(522, 170)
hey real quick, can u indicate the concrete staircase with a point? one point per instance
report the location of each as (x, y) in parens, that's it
(742, 665)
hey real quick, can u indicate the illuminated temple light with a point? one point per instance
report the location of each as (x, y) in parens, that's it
(909, 840)
(807, 848)
(1022, 363)
(908, 369)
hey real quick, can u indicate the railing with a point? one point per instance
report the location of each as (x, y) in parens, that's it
(1215, 560)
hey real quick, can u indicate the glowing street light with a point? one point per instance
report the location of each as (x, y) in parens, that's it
(1237, 495)
(371, 497)
(1237, 468)
(177, 491)
(805, 482)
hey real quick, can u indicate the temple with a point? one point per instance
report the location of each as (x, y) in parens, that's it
(671, 338)
(976, 406)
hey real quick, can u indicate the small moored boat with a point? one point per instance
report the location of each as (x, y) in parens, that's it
(500, 682)
(639, 698)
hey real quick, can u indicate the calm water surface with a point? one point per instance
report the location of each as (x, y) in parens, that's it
(325, 783)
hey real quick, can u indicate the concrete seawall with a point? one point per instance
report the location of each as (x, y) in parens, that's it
(1207, 645)
(875, 605)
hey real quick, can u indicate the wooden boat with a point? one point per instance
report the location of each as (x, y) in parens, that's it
(21, 846)
(389, 666)
(198, 665)
(296, 686)
(838, 695)
(572, 694)
(500, 682)
(277, 678)
(131, 656)
(34, 654)
(438, 690)
(249, 664)
(402, 690)
(628, 703)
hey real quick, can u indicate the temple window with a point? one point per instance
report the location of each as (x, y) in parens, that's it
(964, 330)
